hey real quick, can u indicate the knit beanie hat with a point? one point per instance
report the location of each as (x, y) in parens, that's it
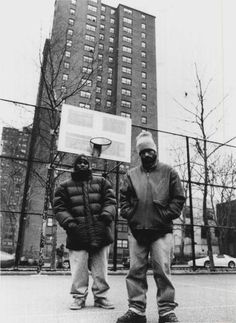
(145, 141)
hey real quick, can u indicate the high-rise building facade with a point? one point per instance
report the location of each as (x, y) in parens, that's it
(113, 49)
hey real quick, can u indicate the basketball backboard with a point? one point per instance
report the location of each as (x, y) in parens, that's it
(78, 126)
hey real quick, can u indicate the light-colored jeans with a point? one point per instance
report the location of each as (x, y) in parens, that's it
(136, 280)
(79, 262)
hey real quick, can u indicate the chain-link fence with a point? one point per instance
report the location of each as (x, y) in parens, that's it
(30, 172)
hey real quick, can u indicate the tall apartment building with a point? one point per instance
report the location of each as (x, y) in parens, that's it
(15, 144)
(118, 44)
(100, 58)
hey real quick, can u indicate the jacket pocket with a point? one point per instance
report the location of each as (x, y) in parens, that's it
(161, 208)
(128, 210)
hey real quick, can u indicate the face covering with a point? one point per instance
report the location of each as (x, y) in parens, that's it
(148, 160)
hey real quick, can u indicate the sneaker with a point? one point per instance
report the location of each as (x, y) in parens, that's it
(104, 303)
(132, 317)
(77, 304)
(168, 318)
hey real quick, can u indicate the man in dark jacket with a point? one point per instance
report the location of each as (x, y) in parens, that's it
(85, 207)
(151, 197)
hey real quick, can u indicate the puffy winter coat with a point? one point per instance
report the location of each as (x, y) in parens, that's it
(91, 205)
(151, 200)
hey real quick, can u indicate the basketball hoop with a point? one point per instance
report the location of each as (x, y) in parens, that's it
(99, 144)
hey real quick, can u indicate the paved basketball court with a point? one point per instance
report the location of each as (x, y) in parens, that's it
(45, 298)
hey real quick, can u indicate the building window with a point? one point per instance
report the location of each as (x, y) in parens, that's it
(85, 94)
(126, 104)
(86, 82)
(98, 101)
(90, 27)
(90, 38)
(100, 57)
(95, 1)
(126, 92)
(144, 85)
(143, 44)
(128, 11)
(126, 59)
(111, 39)
(98, 89)
(122, 227)
(71, 22)
(127, 39)
(103, 8)
(122, 243)
(144, 120)
(63, 89)
(87, 59)
(143, 35)
(49, 222)
(70, 32)
(112, 20)
(86, 70)
(143, 16)
(126, 70)
(127, 30)
(109, 81)
(100, 46)
(143, 54)
(127, 49)
(110, 49)
(73, 2)
(144, 96)
(103, 17)
(109, 92)
(144, 64)
(126, 81)
(144, 75)
(84, 105)
(187, 230)
(203, 232)
(72, 11)
(112, 30)
(92, 18)
(125, 114)
(102, 27)
(101, 37)
(89, 48)
(127, 20)
(92, 8)
(65, 77)
(99, 78)
(110, 70)
(108, 104)
(110, 59)
(69, 43)
(66, 65)
(67, 53)
(112, 11)
(144, 108)
(143, 26)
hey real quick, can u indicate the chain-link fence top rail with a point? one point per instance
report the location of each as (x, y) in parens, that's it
(207, 170)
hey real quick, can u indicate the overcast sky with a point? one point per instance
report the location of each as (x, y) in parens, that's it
(188, 32)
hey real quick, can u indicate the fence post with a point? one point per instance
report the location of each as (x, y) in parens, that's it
(190, 203)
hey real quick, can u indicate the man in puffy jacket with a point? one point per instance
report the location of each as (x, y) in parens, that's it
(151, 197)
(85, 206)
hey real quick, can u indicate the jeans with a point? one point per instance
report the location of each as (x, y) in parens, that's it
(136, 281)
(79, 263)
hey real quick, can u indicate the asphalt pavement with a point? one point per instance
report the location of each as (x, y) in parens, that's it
(45, 298)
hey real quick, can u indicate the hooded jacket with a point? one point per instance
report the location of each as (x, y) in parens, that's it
(150, 200)
(91, 204)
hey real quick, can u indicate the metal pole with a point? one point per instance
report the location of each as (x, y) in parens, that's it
(22, 219)
(190, 204)
(116, 217)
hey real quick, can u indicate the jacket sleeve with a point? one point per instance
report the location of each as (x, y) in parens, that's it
(61, 207)
(109, 202)
(177, 198)
(127, 197)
